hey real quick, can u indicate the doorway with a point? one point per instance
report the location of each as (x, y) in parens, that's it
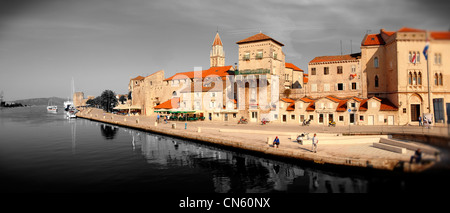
(370, 120)
(284, 118)
(352, 118)
(415, 112)
(254, 116)
(390, 120)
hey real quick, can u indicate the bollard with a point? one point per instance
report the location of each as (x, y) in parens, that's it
(269, 140)
(199, 129)
(137, 120)
(174, 126)
(125, 119)
(156, 123)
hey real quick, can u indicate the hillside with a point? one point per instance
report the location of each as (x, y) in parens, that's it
(41, 101)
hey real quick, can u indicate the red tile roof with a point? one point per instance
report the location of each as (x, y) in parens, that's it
(217, 40)
(372, 39)
(291, 107)
(287, 100)
(342, 106)
(440, 35)
(306, 99)
(388, 33)
(292, 66)
(170, 104)
(407, 29)
(305, 80)
(387, 105)
(333, 98)
(212, 71)
(311, 106)
(336, 58)
(258, 37)
(363, 105)
(138, 78)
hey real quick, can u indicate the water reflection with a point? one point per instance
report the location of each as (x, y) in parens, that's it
(233, 172)
(108, 131)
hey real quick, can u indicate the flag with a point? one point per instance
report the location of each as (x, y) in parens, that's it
(413, 59)
(425, 50)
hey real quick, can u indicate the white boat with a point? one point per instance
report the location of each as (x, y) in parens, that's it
(68, 105)
(71, 114)
(52, 108)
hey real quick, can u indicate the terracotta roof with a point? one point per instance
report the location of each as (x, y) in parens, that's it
(287, 100)
(407, 29)
(217, 40)
(138, 78)
(342, 106)
(333, 98)
(217, 71)
(311, 106)
(306, 99)
(305, 80)
(170, 104)
(440, 35)
(291, 107)
(387, 105)
(363, 105)
(336, 58)
(388, 33)
(292, 66)
(373, 39)
(258, 37)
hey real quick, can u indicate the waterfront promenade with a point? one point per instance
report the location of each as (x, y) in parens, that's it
(335, 146)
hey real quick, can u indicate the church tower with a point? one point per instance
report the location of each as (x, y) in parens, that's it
(217, 56)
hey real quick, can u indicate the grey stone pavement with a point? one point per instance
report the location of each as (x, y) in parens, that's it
(332, 144)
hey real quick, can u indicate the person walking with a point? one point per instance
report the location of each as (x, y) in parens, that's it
(315, 141)
(157, 118)
(420, 121)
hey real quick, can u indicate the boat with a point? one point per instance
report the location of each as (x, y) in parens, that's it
(68, 105)
(72, 113)
(51, 107)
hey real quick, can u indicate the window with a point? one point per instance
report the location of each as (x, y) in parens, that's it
(418, 57)
(246, 56)
(320, 118)
(415, 79)
(437, 58)
(340, 86)
(353, 105)
(376, 81)
(311, 117)
(326, 70)
(410, 78)
(313, 71)
(341, 118)
(275, 55)
(361, 118)
(375, 62)
(419, 79)
(354, 85)
(436, 79)
(292, 117)
(353, 68)
(339, 70)
(259, 54)
(410, 57)
(302, 117)
(440, 79)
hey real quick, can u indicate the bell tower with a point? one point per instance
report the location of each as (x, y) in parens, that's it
(217, 55)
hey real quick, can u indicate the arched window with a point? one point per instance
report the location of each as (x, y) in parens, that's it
(418, 57)
(174, 93)
(436, 78)
(415, 78)
(440, 79)
(410, 57)
(410, 78)
(376, 81)
(375, 62)
(419, 79)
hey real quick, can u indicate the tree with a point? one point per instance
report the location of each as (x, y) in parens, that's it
(108, 100)
(96, 102)
(122, 99)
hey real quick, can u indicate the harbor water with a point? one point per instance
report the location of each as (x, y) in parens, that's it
(45, 152)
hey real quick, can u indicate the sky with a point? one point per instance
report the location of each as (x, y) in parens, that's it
(102, 44)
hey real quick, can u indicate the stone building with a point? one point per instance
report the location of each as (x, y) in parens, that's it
(398, 70)
(338, 75)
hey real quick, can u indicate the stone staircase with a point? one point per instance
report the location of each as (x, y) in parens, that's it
(401, 146)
